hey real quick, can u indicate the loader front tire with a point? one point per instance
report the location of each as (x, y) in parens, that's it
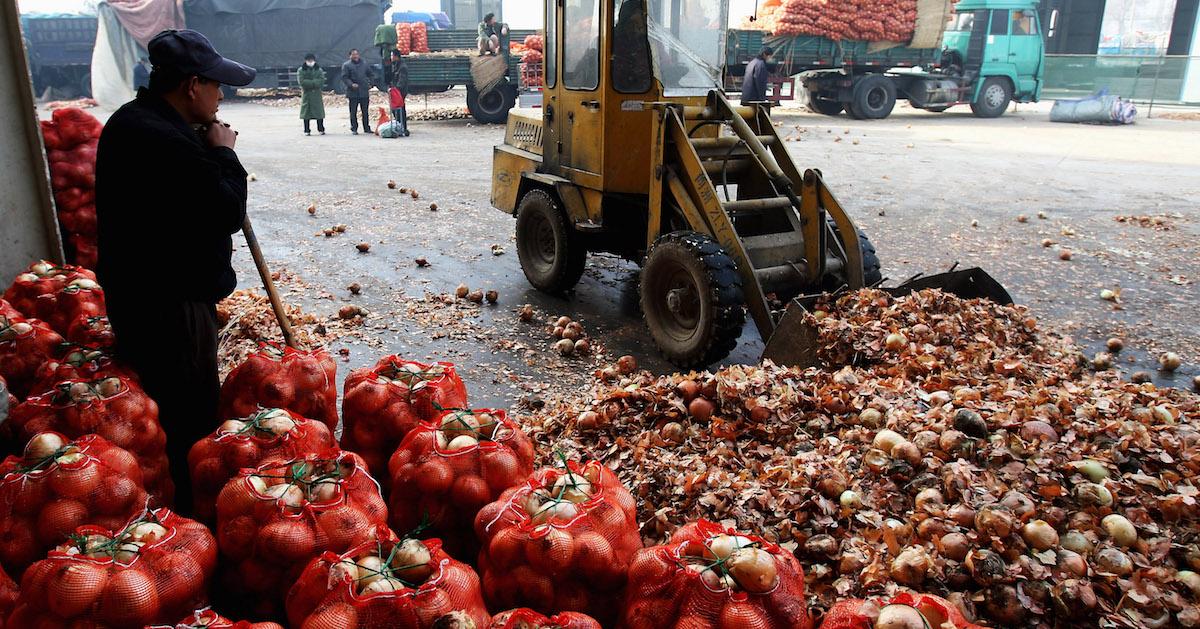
(692, 299)
(551, 252)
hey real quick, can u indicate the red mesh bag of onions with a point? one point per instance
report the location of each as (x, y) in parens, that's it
(8, 312)
(268, 434)
(79, 362)
(382, 404)
(301, 381)
(274, 519)
(8, 596)
(42, 278)
(81, 297)
(708, 576)
(387, 582)
(153, 570)
(91, 330)
(208, 619)
(59, 485)
(114, 408)
(443, 473)
(561, 541)
(903, 611)
(526, 618)
(25, 344)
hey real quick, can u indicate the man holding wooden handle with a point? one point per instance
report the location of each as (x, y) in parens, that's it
(170, 193)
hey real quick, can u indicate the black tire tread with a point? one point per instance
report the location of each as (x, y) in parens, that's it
(980, 109)
(727, 298)
(569, 273)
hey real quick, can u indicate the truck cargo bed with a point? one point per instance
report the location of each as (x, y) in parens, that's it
(797, 53)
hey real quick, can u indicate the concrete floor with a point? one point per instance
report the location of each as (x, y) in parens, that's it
(915, 182)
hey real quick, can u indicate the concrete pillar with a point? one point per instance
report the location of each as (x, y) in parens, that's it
(28, 228)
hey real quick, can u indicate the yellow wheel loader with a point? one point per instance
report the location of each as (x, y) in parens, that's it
(636, 151)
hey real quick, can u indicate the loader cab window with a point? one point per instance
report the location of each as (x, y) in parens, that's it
(581, 44)
(631, 49)
(1023, 23)
(550, 45)
(687, 41)
(999, 22)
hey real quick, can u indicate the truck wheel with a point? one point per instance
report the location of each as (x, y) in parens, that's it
(819, 105)
(491, 106)
(551, 253)
(875, 97)
(994, 97)
(872, 270)
(692, 300)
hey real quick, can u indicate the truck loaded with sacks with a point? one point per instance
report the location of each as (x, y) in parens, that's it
(861, 57)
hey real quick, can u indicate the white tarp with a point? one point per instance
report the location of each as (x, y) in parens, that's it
(113, 59)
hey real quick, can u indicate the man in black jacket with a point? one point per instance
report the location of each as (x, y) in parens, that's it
(754, 82)
(358, 76)
(170, 192)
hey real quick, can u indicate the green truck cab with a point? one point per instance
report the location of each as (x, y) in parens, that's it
(989, 54)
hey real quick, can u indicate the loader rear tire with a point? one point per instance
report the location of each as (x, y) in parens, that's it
(692, 299)
(872, 269)
(552, 254)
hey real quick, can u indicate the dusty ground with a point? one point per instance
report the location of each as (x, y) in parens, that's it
(931, 190)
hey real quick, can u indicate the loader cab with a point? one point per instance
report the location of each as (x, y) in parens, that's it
(605, 60)
(997, 39)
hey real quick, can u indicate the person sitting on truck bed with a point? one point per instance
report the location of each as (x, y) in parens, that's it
(358, 76)
(754, 82)
(489, 36)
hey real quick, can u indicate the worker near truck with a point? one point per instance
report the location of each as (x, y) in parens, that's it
(489, 36)
(357, 76)
(398, 81)
(754, 82)
(170, 192)
(312, 104)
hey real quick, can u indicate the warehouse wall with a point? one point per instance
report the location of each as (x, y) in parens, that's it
(28, 230)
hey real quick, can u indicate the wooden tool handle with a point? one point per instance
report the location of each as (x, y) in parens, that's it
(268, 284)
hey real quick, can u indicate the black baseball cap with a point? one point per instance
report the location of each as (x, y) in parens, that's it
(191, 53)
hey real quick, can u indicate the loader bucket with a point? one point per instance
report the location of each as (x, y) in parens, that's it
(794, 343)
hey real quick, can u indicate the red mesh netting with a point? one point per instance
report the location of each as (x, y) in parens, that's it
(25, 344)
(534, 42)
(42, 278)
(93, 331)
(708, 576)
(858, 20)
(8, 597)
(209, 619)
(249, 442)
(934, 611)
(114, 408)
(528, 619)
(81, 297)
(71, 136)
(274, 519)
(383, 403)
(79, 362)
(153, 570)
(276, 376)
(561, 541)
(8, 311)
(404, 37)
(59, 485)
(420, 37)
(444, 472)
(385, 583)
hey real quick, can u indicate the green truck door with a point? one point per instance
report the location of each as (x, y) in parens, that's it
(1025, 51)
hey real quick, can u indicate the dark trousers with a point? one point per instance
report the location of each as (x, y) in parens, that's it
(320, 125)
(363, 103)
(173, 349)
(400, 114)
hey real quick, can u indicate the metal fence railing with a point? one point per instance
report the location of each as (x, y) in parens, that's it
(1149, 79)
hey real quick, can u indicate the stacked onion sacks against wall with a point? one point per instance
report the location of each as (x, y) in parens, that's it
(444, 472)
(386, 582)
(301, 381)
(58, 485)
(268, 434)
(208, 619)
(969, 456)
(274, 519)
(152, 571)
(561, 541)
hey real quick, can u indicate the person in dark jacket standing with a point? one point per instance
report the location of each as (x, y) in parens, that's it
(357, 76)
(312, 106)
(170, 193)
(754, 82)
(399, 81)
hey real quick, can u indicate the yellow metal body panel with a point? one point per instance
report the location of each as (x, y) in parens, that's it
(509, 166)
